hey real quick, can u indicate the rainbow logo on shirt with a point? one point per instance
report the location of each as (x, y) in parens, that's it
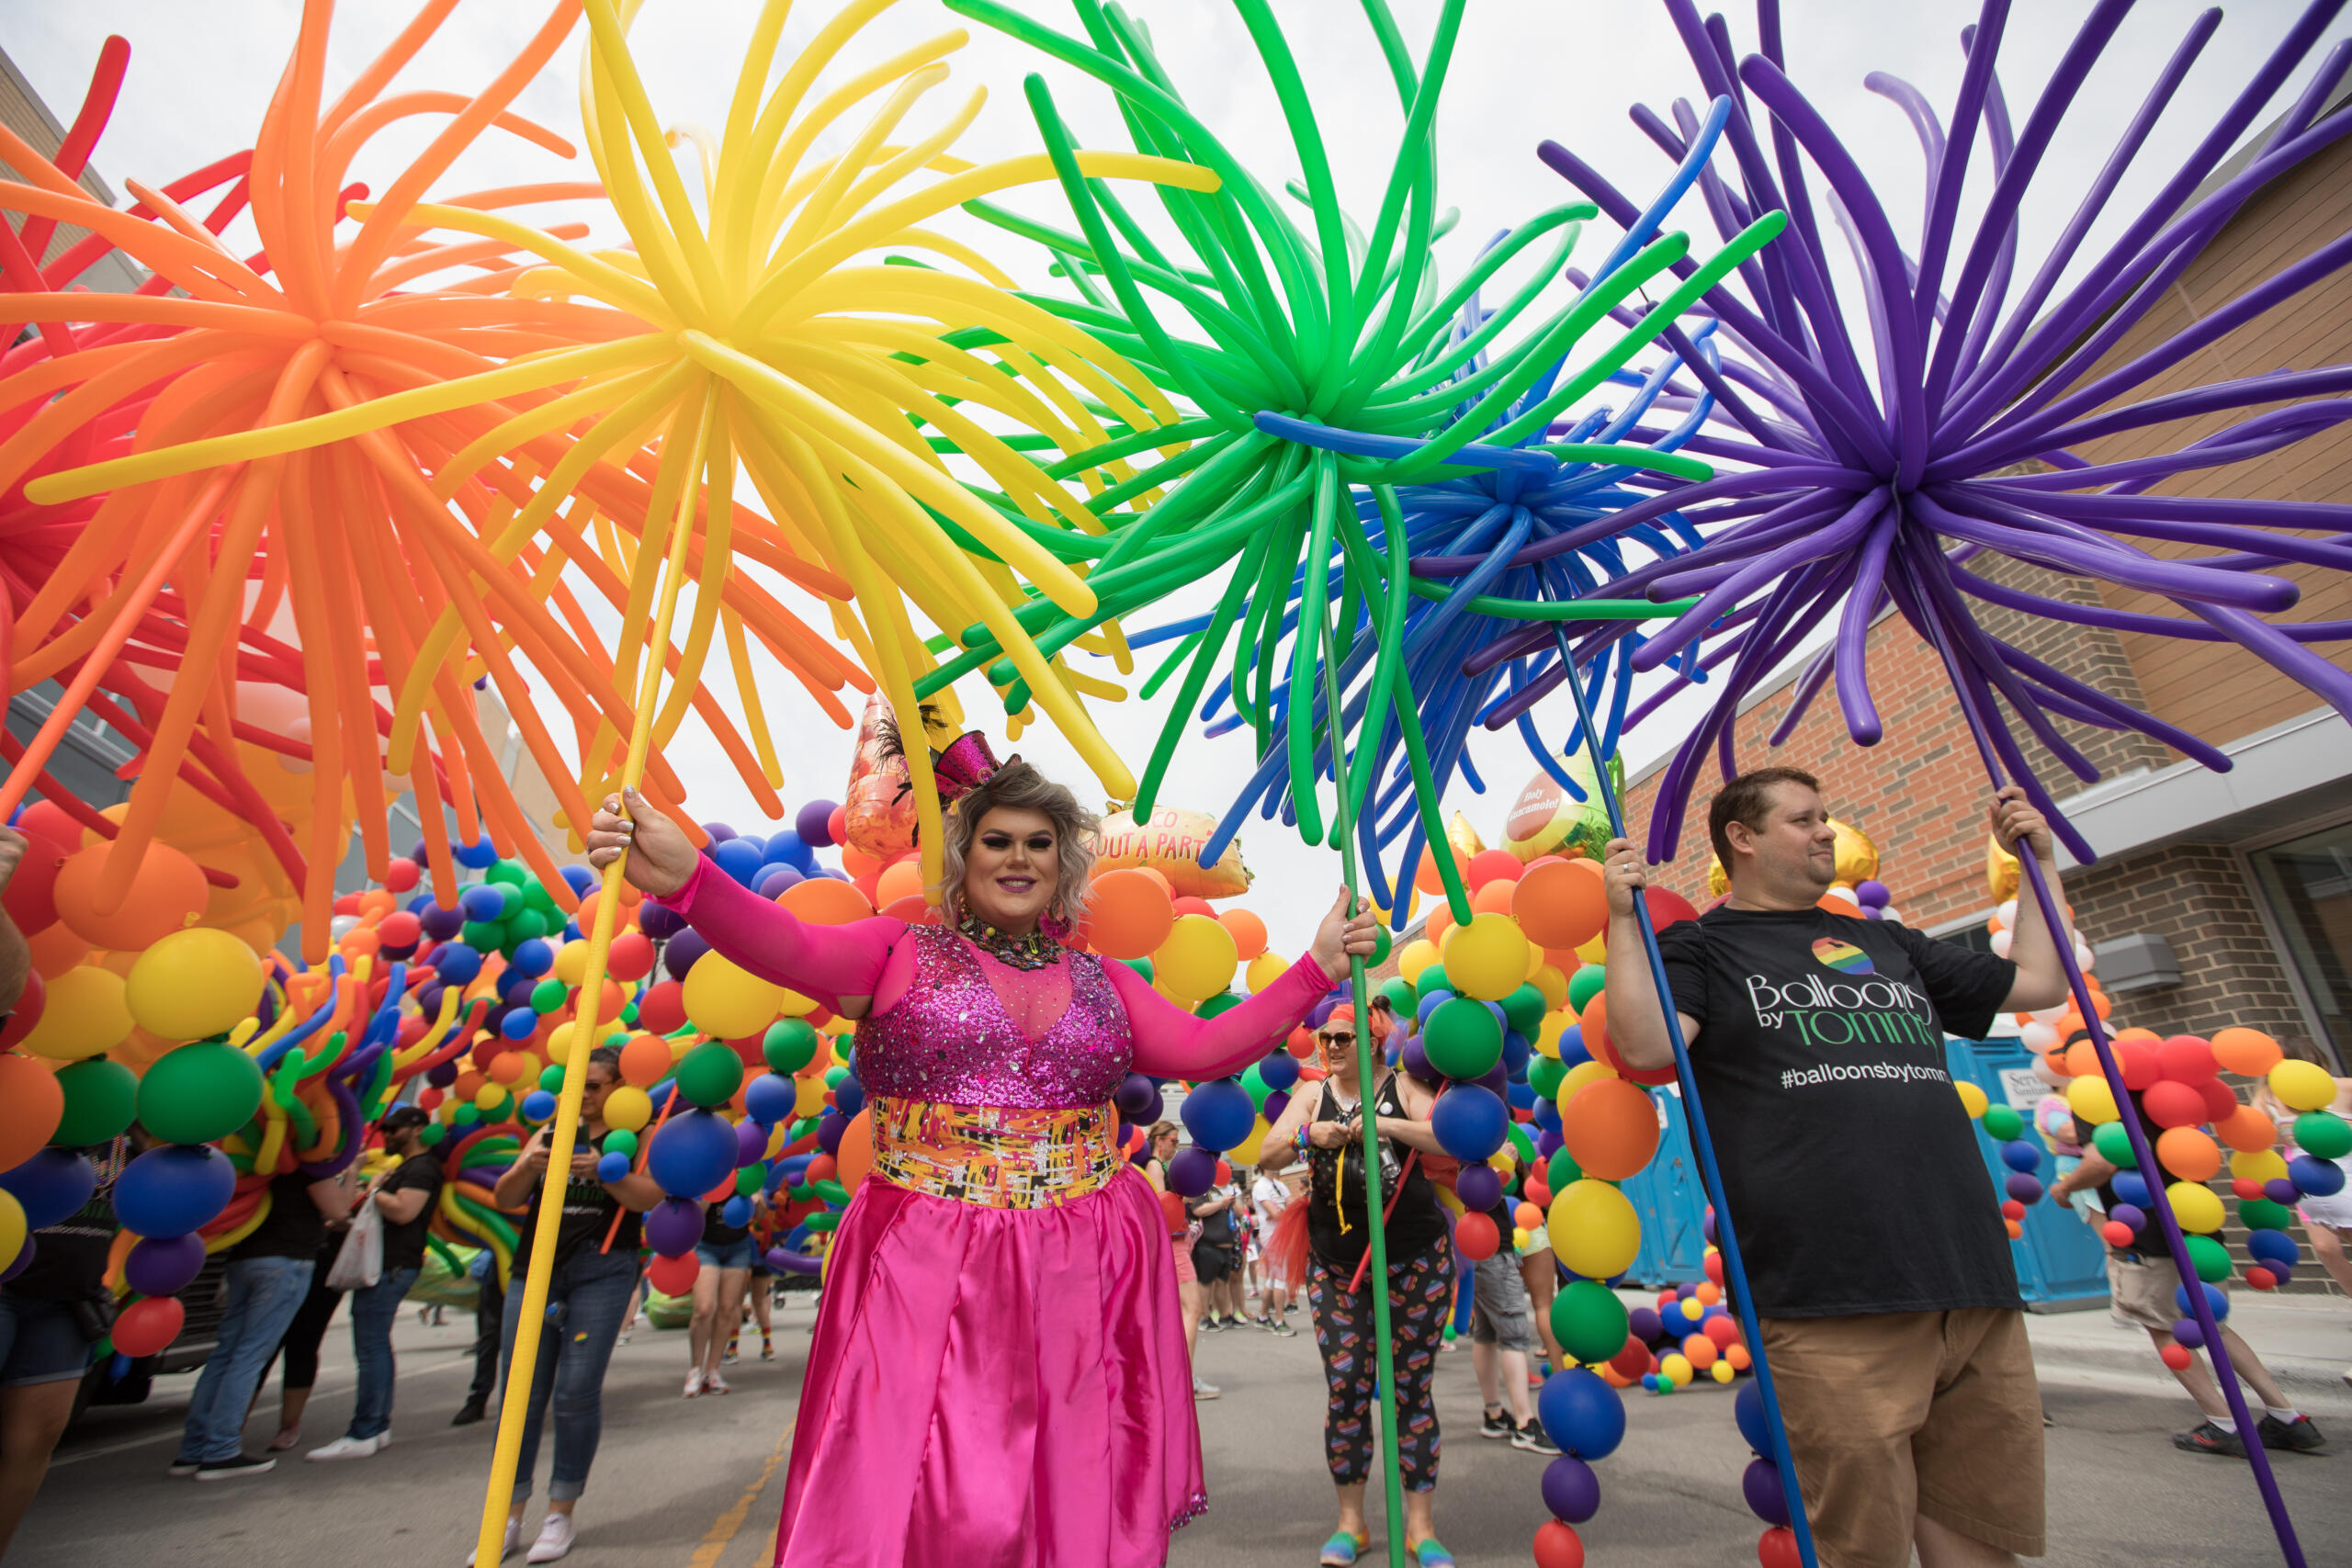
(1842, 956)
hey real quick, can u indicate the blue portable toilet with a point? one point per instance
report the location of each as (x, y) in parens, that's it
(2061, 1265)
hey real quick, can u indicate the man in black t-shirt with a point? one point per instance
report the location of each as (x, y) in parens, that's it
(1869, 1230)
(403, 1198)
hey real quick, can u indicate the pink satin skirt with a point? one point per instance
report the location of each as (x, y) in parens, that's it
(994, 1388)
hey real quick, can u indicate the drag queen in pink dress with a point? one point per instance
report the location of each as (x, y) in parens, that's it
(998, 1377)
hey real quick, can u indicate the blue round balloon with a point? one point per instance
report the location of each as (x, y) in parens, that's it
(50, 1186)
(775, 880)
(2316, 1176)
(1581, 1413)
(2132, 1188)
(1748, 1410)
(694, 1151)
(1219, 1115)
(1516, 1050)
(457, 963)
(531, 959)
(2274, 1247)
(1430, 1004)
(1191, 1171)
(736, 1212)
(786, 846)
(2018, 1154)
(612, 1166)
(164, 1265)
(581, 877)
(1570, 1490)
(2215, 1298)
(174, 1190)
(1278, 1070)
(484, 901)
(1470, 1122)
(520, 1023)
(1572, 1051)
(479, 856)
(738, 858)
(770, 1098)
(538, 1105)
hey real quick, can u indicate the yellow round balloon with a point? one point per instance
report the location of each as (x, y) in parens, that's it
(628, 1107)
(86, 1014)
(12, 1229)
(2091, 1099)
(1676, 1365)
(792, 1004)
(2300, 1086)
(2195, 1206)
(1487, 958)
(1594, 1229)
(1596, 951)
(1548, 1037)
(1415, 956)
(192, 984)
(2259, 1165)
(571, 963)
(1973, 1097)
(488, 1097)
(1577, 1077)
(559, 1045)
(1551, 985)
(809, 1099)
(1245, 1152)
(1265, 969)
(1721, 1371)
(1198, 958)
(728, 1001)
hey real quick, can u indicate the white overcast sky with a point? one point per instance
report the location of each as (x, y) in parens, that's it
(201, 75)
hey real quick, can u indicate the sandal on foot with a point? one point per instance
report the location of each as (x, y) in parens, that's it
(1429, 1554)
(1343, 1549)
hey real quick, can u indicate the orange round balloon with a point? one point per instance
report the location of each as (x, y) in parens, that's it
(2189, 1154)
(1192, 904)
(1560, 907)
(855, 1156)
(1129, 915)
(1494, 898)
(822, 901)
(30, 1104)
(645, 1059)
(167, 894)
(2246, 1130)
(1440, 921)
(1248, 931)
(899, 879)
(55, 949)
(2248, 1052)
(1609, 1129)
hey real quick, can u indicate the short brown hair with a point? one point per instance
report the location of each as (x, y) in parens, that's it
(1745, 800)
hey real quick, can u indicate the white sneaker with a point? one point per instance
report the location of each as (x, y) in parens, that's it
(1204, 1390)
(346, 1447)
(555, 1539)
(693, 1383)
(713, 1384)
(506, 1548)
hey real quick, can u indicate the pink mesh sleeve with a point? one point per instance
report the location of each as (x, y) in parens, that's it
(1172, 1043)
(827, 963)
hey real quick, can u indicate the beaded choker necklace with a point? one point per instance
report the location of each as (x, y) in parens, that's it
(1036, 951)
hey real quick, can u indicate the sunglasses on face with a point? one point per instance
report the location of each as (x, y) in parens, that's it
(1329, 1040)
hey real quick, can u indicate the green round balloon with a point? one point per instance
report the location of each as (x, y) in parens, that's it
(538, 897)
(510, 872)
(790, 1045)
(751, 1178)
(101, 1098)
(483, 936)
(1563, 1170)
(199, 1092)
(1585, 985)
(1432, 981)
(1588, 1321)
(1255, 1082)
(1525, 1009)
(524, 925)
(621, 1141)
(1216, 1004)
(1382, 945)
(2209, 1258)
(549, 994)
(467, 1116)
(2114, 1144)
(1463, 1039)
(1401, 997)
(434, 1135)
(628, 1013)
(1141, 966)
(551, 1078)
(1544, 1075)
(2002, 1122)
(834, 1075)
(709, 1075)
(2262, 1214)
(2324, 1134)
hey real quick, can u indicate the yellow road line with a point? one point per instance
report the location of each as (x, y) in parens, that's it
(722, 1529)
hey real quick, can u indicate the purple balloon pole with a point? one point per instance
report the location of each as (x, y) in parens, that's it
(2258, 1457)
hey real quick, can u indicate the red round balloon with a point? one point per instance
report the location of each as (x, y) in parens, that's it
(675, 1275)
(2261, 1278)
(2177, 1357)
(31, 897)
(1777, 1548)
(662, 1010)
(399, 929)
(146, 1325)
(1632, 1361)
(1494, 865)
(29, 1006)
(1476, 1237)
(2188, 1058)
(630, 957)
(1669, 907)
(2170, 1104)
(2139, 1063)
(2221, 1104)
(1557, 1546)
(401, 874)
(52, 822)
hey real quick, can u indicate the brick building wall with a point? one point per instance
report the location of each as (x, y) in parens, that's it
(2195, 897)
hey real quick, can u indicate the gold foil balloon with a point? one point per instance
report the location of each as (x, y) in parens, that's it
(1463, 838)
(2000, 870)
(1857, 856)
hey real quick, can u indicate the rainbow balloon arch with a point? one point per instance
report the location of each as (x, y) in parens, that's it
(421, 426)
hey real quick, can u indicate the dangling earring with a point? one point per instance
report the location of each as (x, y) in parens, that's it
(1055, 924)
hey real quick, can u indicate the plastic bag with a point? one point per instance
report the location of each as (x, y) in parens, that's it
(360, 1263)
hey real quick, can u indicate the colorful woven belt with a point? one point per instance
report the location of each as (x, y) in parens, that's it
(999, 1156)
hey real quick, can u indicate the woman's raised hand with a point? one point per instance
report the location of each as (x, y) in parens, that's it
(661, 860)
(1343, 936)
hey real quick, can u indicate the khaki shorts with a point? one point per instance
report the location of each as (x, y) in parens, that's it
(1897, 1413)
(2143, 1291)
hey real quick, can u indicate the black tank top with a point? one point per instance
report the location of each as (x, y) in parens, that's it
(1412, 1225)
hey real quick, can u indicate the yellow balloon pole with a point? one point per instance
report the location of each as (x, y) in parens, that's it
(499, 1496)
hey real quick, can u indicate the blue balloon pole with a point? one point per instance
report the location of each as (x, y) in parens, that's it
(1726, 1235)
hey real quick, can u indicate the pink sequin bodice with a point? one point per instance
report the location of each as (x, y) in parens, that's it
(951, 1040)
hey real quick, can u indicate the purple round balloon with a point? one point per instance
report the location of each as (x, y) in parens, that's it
(674, 1225)
(774, 879)
(750, 1143)
(1481, 1188)
(831, 1127)
(659, 921)
(2279, 1190)
(1761, 1484)
(1570, 1490)
(719, 833)
(1644, 1324)
(682, 951)
(814, 823)
(164, 1266)
(1192, 1172)
(1873, 893)
(2188, 1335)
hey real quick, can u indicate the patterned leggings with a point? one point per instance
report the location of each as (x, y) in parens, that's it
(1419, 1287)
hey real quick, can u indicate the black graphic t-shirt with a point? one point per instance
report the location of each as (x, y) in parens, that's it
(588, 1211)
(1849, 1161)
(404, 1245)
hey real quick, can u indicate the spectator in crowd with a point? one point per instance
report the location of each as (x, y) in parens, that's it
(267, 1277)
(1540, 1273)
(725, 1253)
(1503, 1336)
(489, 1308)
(1162, 1141)
(588, 1293)
(52, 1314)
(1216, 1255)
(404, 1198)
(1268, 1195)
(297, 1348)
(759, 1291)
(2142, 1282)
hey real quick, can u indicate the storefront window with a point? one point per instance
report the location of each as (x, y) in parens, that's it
(2309, 885)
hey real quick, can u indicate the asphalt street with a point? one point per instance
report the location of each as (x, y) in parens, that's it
(696, 1484)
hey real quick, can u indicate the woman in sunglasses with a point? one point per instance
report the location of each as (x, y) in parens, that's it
(1323, 1125)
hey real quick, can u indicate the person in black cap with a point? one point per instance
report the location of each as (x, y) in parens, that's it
(404, 1198)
